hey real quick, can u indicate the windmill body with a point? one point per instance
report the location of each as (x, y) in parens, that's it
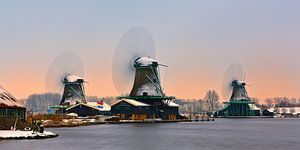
(148, 93)
(147, 80)
(73, 90)
(238, 91)
(65, 75)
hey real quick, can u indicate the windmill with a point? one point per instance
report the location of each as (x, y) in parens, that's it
(65, 74)
(234, 91)
(134, 64)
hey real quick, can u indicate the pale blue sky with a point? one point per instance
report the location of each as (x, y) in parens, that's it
(197, 39)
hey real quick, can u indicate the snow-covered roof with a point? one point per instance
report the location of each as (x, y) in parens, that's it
(72, 78)
(132, 102)
(240, 82)
(271, 109)
(172, 104)
(145, 61)
(94, 105)
(7, 100)
(253, 107)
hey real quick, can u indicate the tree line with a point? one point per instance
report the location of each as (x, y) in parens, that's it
(210, 102)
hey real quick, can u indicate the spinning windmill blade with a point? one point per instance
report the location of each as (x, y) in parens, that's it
(66, 63)
(136, 42)
(233, 73)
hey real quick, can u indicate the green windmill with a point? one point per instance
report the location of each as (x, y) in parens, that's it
(234, 91)
(65, 75)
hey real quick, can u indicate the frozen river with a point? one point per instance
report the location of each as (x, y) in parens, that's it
(222, 134)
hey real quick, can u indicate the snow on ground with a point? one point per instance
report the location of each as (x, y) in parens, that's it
(25, 134)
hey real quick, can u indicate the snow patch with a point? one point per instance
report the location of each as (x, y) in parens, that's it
(145, 61)
(72, 78)
(172, 104)
(133, 102)
(148, 88)
(94, 105)
(25, 134)
(239, 82)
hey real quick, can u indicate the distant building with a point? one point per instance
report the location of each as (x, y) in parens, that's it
(268, 112)
(90, 109)
(10, 106)
(129, 109)
(287, 111)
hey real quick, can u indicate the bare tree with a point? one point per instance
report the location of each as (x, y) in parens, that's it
(269, 102)
(285, 102)
(200, 105)
(255, 101)
(277, 101)
(212, 100)
(293, 102)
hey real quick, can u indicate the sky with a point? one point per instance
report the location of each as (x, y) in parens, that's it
(197, 39)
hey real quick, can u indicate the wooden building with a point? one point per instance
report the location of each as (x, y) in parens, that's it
(90, 109)
(10, 107)
(129, 109)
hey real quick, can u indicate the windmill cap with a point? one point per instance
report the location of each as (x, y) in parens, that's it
(238, 82)
(72, 78)
(145, 61)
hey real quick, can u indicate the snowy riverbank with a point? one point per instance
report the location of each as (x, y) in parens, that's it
(9, 134)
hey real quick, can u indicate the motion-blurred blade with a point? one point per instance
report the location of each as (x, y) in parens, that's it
(234, 72)
(136, 42)
(63, 64)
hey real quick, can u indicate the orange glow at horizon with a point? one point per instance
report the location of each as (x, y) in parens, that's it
(197, 40)
(181, 85)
